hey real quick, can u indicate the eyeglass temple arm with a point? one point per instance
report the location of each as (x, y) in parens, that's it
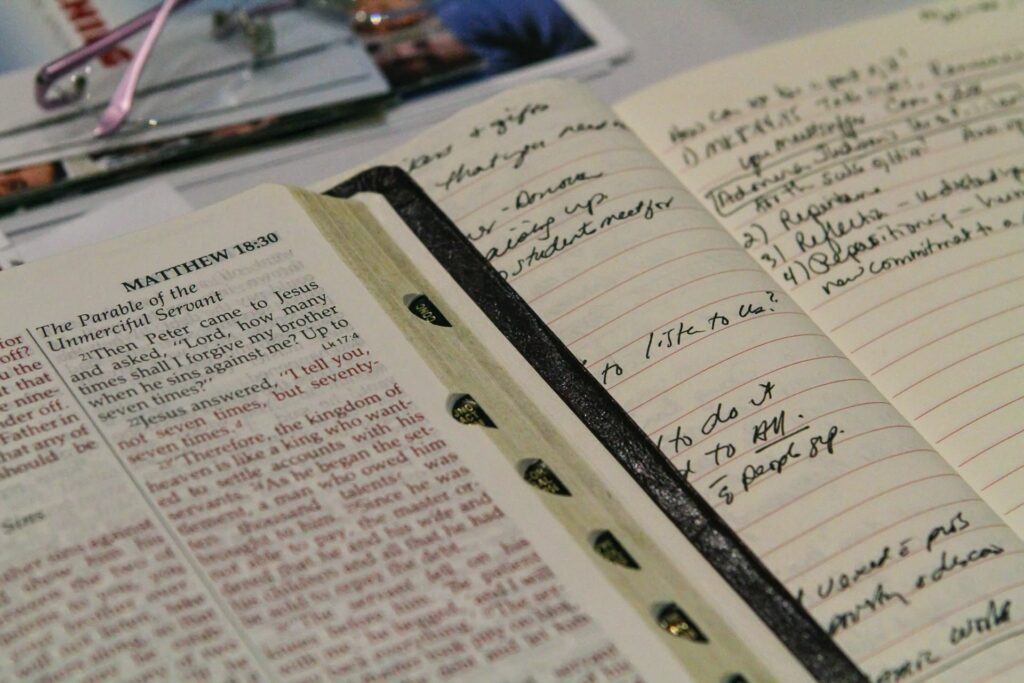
(65, 64)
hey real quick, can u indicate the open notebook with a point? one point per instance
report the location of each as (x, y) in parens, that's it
(797, 271)
(801, 272)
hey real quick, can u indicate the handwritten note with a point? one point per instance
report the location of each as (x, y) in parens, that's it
(742, 392)
(883, 188)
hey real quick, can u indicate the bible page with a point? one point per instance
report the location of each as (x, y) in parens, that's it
(892, 553)
(219, 460)
(877, 173)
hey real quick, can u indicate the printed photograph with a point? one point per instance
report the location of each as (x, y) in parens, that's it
(419, 45)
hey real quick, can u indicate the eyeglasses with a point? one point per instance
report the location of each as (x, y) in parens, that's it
(253, 24)
(121, 103)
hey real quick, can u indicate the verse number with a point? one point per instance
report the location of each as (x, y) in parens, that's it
(257, 243)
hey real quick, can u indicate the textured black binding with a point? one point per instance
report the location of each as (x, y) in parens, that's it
(609, 422)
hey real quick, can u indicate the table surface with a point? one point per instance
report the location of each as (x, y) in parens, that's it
(667, 36)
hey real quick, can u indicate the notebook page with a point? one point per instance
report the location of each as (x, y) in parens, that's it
(883, 189)
(771, 423)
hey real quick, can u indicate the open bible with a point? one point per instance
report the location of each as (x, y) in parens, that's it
(799, 274)
(276, 441)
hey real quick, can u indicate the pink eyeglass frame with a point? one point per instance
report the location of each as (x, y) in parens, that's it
(121, 102)
(76, 59)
